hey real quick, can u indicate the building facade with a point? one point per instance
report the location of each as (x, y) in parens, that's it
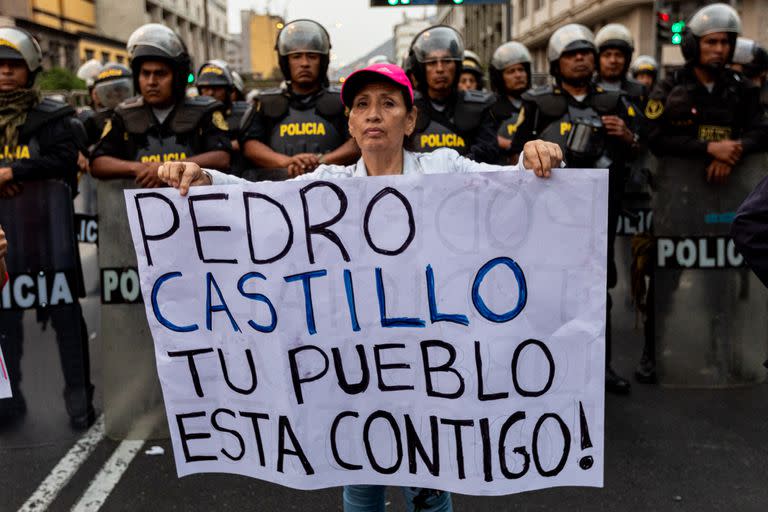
(534, 21)
(258, 33)
(404, 33)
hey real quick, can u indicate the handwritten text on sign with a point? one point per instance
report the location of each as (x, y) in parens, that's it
(442, 331)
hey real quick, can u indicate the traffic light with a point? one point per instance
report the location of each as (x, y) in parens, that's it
(677, 31)
(663, 28)
(389, 3)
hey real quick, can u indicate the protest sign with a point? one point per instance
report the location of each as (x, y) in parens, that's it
(440, 331)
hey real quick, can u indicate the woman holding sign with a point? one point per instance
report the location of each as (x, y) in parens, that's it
(381, 117)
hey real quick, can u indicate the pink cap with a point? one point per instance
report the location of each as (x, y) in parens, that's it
(374, 73)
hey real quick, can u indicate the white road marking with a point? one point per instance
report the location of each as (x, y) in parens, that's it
(105, 481)
(60, 475)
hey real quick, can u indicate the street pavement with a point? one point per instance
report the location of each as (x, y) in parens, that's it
(666, 450)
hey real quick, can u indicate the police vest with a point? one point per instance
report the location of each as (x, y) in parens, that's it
(454, 127)
(235, 115)
(507, 116)
(176, 139)
(28, 145)
(299, 129)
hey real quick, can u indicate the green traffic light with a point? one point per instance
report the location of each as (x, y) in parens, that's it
(677, 38)
(678, 26)
(393, 2)
(191, 78)
(458, 1)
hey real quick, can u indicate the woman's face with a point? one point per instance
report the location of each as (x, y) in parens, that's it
(379, 119)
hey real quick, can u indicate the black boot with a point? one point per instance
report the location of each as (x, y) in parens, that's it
(13, 408)
(645, 373)
(79, 404)
(616, 384)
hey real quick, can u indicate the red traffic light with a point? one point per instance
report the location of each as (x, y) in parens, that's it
(664, 17)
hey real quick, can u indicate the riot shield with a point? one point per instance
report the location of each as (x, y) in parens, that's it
(133, 403)
(711, 321)
(42, 333)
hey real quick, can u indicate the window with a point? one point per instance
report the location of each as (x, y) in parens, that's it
(88, 54)
(523, 8)
(120, 59)
(538, 4)
(104, 57)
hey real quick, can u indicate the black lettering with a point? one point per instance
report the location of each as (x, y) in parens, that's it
(284, 427)
(485, 439)
(411, 222)
(251, 367)
(322, 228)
(480, 384)
(185, 437)
(398, 442)
(146, 238)
(520, 450)
(516, 359)
(355, 388)
(377, 349)
(334, 445)
(445, 367)
(197, 229)
(457, 425)
(296, 378)
(255, 417)
(413, 444)
(190, 355)
(566, 445)
(247, 196)
(233, 433)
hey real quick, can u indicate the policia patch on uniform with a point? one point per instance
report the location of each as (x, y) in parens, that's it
(654, 109)
(219, 122)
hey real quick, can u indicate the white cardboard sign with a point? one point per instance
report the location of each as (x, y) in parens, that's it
(439, 331)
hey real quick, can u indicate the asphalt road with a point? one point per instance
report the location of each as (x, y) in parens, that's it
(666, 449)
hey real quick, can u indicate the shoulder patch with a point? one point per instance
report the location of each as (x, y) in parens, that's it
(219, 122)
(654, 109)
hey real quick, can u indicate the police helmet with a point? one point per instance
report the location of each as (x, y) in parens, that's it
(616, 35)
(303, 36)
(18, 44)
(154, 41)
(568, 38)
(752, 57)
(88, 71)
(509, 54)
(113, 85)
(644, 64)
(239, 85)
(215, 73)
(711, 19)
(471, 64)
(440, 42)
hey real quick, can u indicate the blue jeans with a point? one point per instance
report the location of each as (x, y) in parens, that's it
(370, 498)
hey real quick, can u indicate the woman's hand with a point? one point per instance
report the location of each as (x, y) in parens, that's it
(3, 244)
(182, 175)
(541, 157)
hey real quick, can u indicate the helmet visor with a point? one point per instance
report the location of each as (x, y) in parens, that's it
(438, 43)
(158, 37)
(303, 36)
(113, 92)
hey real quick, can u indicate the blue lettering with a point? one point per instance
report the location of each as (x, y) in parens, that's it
(156, 307)
(434, 315)
(392, 322)
(522, 297)
(309, 308)
(351, 300)
(210, 309)
(258, 297)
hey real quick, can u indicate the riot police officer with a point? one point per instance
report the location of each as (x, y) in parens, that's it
(304, 124)
(591, 126)
(87, 72)
(38, 138)
(217, 80)
(447, 117)
(705, 113)
(111, 86)
(472, 74)
(614, 48)
(510, 73)
(706, 109)
(751, 60)
(645, 70)
(161, 124)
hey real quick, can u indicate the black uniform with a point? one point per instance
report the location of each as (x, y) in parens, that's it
(463, 122)
(193, 127)
(94, 123)
(684, 116)
(550, 113)
(505, 115)
(47, 150)
(291, 124)
(234, 116)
